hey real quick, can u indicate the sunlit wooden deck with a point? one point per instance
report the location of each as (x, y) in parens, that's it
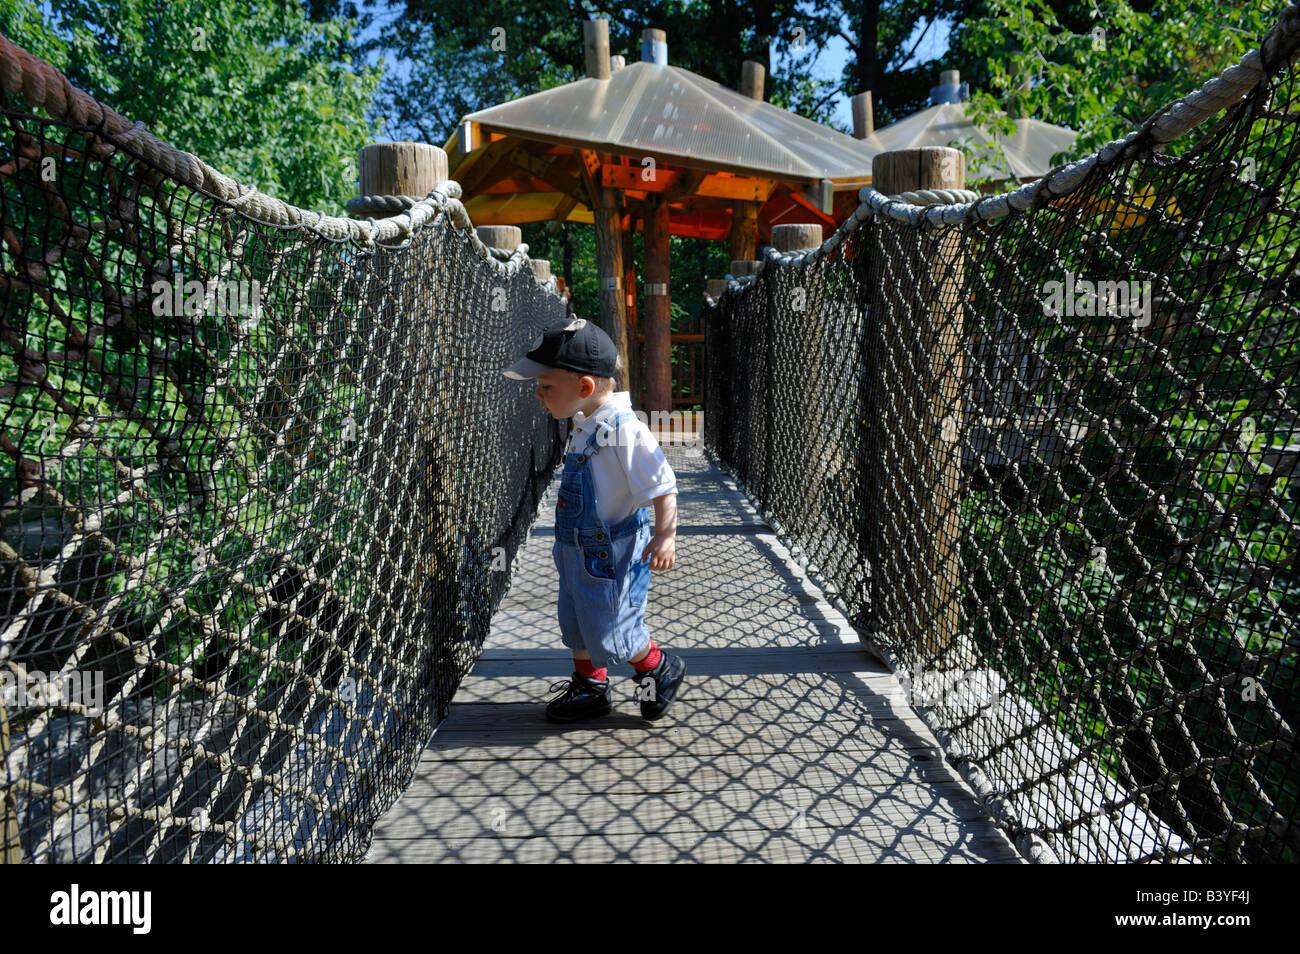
(788, 744)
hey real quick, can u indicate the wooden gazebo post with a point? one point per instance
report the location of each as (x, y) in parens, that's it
(656, 320)
(658, 304)
(635, 375)
(605, 204)
(744, 217)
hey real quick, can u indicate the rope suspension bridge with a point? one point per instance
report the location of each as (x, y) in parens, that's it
(266, 504)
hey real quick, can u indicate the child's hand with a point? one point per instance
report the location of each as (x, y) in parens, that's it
(661, 549)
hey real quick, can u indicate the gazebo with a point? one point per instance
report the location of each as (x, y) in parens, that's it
(1029, 152)
(653, 147)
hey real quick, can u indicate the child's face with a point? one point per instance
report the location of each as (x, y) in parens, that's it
(563, 395)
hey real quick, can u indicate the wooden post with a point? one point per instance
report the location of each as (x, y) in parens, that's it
(636, 375)
(919, 311)
(743, 237)
(864, 123)
(796, 238)
(745, 268)
(595, 42)
(408, 168)
(604, 204)
(11, 846)
(400, 168)
(812, 458)
(609, 268)
(654, 46)
(541, 268)
(714, 287)
(413, 332)
(658, 315)
(507, 237)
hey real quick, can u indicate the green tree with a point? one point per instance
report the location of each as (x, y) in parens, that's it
(465, 55)
(1100, 67)
(253, 87)
(883, 39)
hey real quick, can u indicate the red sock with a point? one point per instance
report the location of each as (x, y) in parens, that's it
(585, 668)
(651, 659)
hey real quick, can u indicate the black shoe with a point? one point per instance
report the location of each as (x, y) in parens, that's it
(581, 698)
(659, 687)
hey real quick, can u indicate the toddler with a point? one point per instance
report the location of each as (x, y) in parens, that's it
(604, 548)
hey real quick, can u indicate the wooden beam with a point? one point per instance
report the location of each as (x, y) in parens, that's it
(562, 182)
(802, 200)
(562, 212)
(681, 182)
(481, 167)
(590, 172)
(633, 177)
(516, 209)
(747, 188)
(687, 184)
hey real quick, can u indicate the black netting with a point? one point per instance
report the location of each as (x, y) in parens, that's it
(1070, 521)
(265, 489)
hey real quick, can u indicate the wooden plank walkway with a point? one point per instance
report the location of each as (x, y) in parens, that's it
(788, 744)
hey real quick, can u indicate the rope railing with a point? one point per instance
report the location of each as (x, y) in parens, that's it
(1040, 449)
(266, 488)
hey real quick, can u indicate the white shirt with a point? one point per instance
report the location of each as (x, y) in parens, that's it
(628, 472)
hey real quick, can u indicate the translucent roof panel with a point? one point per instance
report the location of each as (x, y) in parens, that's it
(1029, 152)
(647, 108)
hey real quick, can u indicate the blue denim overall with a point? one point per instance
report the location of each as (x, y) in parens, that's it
(603, 580)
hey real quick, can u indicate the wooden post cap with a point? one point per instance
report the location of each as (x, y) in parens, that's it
(394, 169)
(907, 170)
(742, 269)
(714, 287)
(507, 237)
(541, 268)
(401, 168)
(793, 238)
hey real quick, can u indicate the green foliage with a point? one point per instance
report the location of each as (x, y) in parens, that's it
(241, 482)
(253, 87)
(901, 79)
(466, 55)
(1102, 87)
(22, 22)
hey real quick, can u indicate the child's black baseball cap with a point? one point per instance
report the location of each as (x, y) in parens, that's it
(574, 344)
